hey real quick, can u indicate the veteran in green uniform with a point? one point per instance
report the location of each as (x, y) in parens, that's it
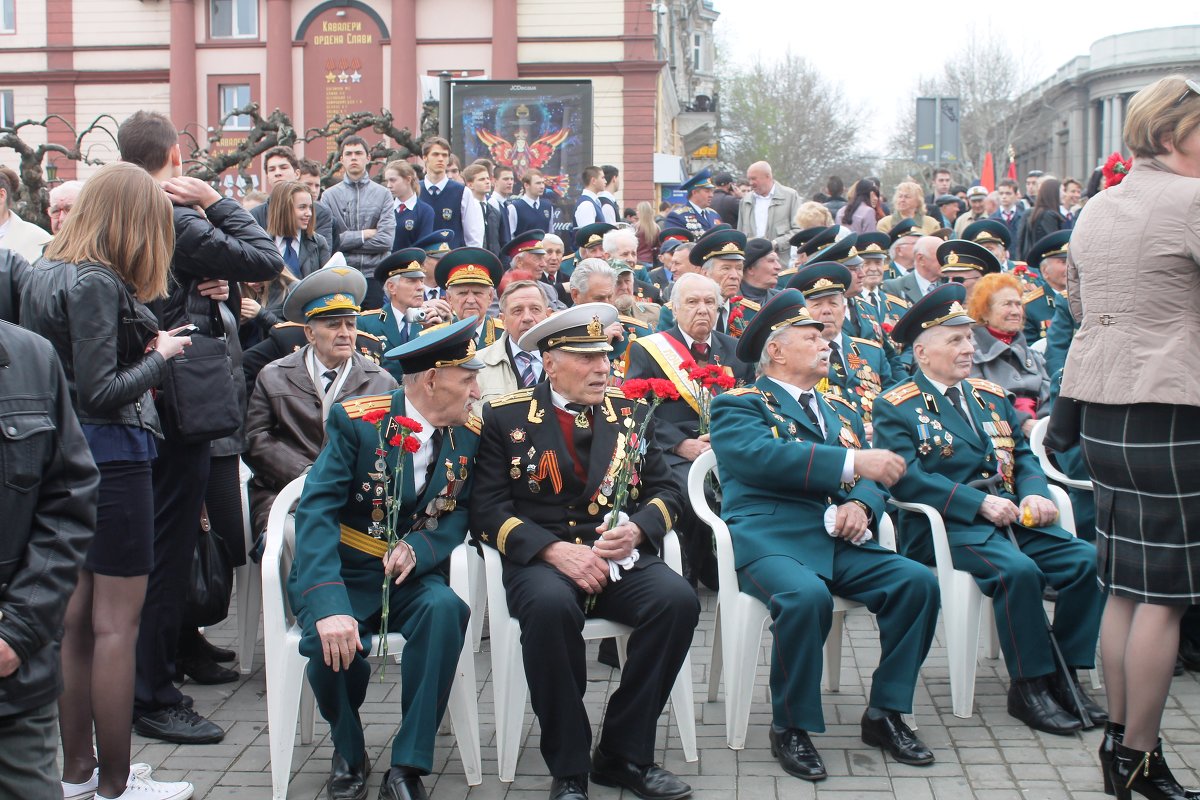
(886, 309)
(341, 555)
(1045, 283)
(589, 243)
(469, 276)
(858, 368)
(800, 496)
(964, 263)
(721, 255)
(953, 430)
(402, 276)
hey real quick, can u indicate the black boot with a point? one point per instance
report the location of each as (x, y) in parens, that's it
(1031, 701)
(1145, 774)
(1114, 734)
(1062, 693)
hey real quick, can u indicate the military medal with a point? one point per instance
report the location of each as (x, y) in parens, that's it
(462, 468)
(358, 498)
(792, 429)
(924, 448)
(377, 514)
(936, 425)
(602, 500)
(534, 486)
(581, 420)
(593, 509)
(380, 464)
(431, 523)
(517, 435)
(947, 451)
(531, 453)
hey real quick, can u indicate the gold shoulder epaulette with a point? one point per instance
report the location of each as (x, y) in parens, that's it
(370, 336)
(900, 301)
(518, 396)
(357, 406)
(633, 321)
(871, 342)
(614, 392)
(287, 325)
(1032, 294)
(988, 386)
(750, 304)
(902, 392)
(374, 312)
(744, 390)
(791, 271)
(833, 398)
(474, 424)
(497, 322)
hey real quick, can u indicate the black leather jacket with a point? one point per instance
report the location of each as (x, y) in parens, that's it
(100, 333)
(48, 490)
(13, 271)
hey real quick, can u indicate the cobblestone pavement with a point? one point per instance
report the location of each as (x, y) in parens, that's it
(989, 756)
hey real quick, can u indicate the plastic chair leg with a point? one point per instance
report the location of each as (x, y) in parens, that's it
(284, 688)
(684, 708)
(463, 710)
(511, 696)
(962, 649)
(833, 653)
(741, 663)
(714, 666)
(249, 607)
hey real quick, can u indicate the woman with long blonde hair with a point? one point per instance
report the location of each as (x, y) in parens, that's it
(647, 234)
(87, 295)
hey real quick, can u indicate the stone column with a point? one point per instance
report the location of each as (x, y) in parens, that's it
(1106, 129)
(1093, 129)
(1118, 129)
(185, 109)
(279, 58)
(504, 40)
(1077, 144)
(405, 80)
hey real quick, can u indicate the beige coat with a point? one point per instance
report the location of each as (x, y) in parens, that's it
(284, 430)
(781, 217)
(1133, 283)
(25, 238)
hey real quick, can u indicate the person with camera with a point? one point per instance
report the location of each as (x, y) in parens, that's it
(216, 243)
(86, 296)
(406, 312)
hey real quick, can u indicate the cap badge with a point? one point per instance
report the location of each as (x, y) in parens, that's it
(594, 328)
(957, 308)
(339, 270)
(824, 283)
(730, 247)
(952, 259)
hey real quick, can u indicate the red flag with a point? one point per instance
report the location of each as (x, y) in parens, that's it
(988, 177)
(1012, 170)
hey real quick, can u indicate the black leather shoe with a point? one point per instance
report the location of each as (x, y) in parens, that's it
(1145, 774)
(205, 671)
(402, 783)
(649, 781)
(891, 734)
(206, 649)
(795, 753)
(572, 787)
(179, 725)
(347, 782)
(1031, 701)
(1062, 694)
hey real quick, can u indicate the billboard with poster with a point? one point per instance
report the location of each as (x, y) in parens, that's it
(544, 125)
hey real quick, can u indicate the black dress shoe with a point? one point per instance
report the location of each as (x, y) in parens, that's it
(572, 787)
(1031, 701)
(347, 782)
(1114, 734)
(895, 737)
(402, 783)
(648, 781)
(1062, 694)
(1145, 774)
(205, 671)
(795, 753)
(206, 649)
(179, 725)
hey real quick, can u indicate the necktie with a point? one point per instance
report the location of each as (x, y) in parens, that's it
(875, 301)
(1007, 217)
(525, 367)
(434, 191)
(721, 314)
(435, 443)
(329, 376)
(806, 401)
(289, 256)
(431, 292)
(955, 397)
(699, 352)
(835, 360)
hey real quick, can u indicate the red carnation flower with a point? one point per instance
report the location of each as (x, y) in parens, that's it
(663, 389)
(636, 388)
(688, 365)
(411, 444)
(374, 417)
(726, 381)
(887, 327)
(409, 424)
(1115, 169)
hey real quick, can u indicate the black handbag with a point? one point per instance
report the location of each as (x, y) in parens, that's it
(210, 585)
(198, 402)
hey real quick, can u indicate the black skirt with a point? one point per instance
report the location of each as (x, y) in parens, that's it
(1144, 461)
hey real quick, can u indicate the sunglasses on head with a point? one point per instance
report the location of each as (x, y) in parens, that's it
(1192, 86)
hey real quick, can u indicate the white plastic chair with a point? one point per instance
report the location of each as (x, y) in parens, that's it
(963, 604)
(508, 670)
(288, 693)
(248, 579)
(742, 617)
(1037, 443)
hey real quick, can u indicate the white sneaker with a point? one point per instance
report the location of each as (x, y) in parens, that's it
(87, 789)
(142, 787)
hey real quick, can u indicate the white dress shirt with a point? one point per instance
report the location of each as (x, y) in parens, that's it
(533, 202)
(585, 213)
(610, 212)
(535, 364)
(472, 214)
(794, 392)
(923, 285)
(762, 203)
(941, 387)
(425, 454)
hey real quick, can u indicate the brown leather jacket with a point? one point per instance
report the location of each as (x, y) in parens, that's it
(284, 430)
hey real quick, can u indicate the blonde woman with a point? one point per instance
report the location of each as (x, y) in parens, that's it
(647, 234)
(909, 203)
(86, 296)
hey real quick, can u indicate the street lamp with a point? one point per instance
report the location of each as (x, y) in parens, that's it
(51, 172)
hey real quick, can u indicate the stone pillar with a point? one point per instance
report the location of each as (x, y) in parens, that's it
(504, 40)
(1093, 130)
(185, 109)
(1077, 144)
(1118, 130)
(279, 58)
(405, 80)
(1106, 128)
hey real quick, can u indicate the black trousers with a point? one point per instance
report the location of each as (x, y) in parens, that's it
(662, 610)
(180, 480)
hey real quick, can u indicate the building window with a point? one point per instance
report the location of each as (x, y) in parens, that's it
(232, 19)
(697, 51)
(234, 96)
(8, 16)
(7, 115)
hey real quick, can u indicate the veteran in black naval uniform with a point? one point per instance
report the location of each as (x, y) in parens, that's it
(696, 216)
(402, 276)
(800, 497)
(341, 556)
(545, 467)
(953, 430)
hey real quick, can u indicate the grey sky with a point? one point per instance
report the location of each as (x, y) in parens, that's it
(910, 41)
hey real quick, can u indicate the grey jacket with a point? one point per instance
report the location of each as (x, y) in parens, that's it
(358, 206)
(1021, 371)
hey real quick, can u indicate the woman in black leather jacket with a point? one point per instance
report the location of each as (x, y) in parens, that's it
(85, 295)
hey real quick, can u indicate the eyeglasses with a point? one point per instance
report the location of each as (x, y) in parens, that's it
(1192, 86)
